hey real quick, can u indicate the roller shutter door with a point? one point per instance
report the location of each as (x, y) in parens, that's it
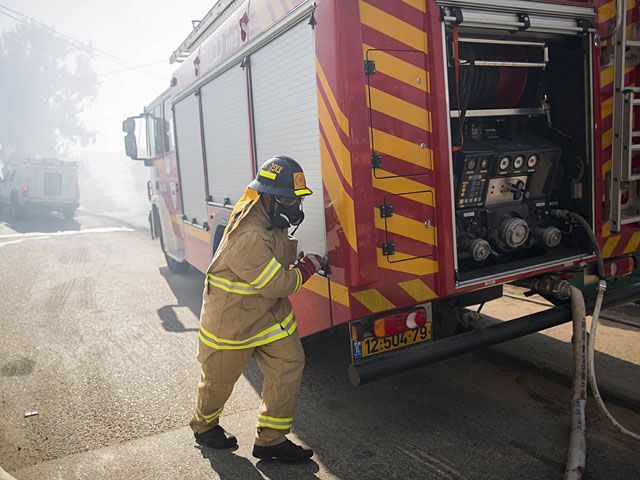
(226, 134)
(190, 159)
(283, 77)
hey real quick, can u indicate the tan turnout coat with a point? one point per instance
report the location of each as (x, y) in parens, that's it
(245, 300)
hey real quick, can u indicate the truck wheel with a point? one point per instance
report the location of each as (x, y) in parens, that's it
(69, 213)
(17, 211)
(176, 267)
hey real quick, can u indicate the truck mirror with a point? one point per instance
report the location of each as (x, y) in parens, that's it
(136, 143)
(129, 125)
(130, 144)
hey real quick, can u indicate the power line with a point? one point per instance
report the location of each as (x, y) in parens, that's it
(76, 42)
(133, 67)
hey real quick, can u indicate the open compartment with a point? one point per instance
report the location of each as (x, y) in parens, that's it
(521, 134)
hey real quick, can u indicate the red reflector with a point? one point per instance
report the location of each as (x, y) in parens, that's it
(25, 189)
(400, 322)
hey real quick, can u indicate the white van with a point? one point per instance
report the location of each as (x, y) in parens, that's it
(40, 185)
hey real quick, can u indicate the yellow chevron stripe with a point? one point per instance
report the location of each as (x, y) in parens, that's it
(633, 244)
(339, 149)
(399, 69)
(606, 75)
(606, 108)
(418, 4)
(318, 285)
(606, 139)
(418, 290)
(340, 293)
(343, 121)
(401, 262)
(373, 300)
(340, 199)
(197, 233)
(399, 108)
(607, 11)
(606, 168)
(606, 228)
(407, 227)
(393, 27)
(402, 185)
(610, 245)
(402, 149)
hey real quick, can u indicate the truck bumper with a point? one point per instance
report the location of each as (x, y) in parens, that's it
(412, 357)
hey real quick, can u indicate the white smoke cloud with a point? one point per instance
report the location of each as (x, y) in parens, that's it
(112, 184)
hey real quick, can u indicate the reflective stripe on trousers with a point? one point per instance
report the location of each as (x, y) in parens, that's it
(275, 422)
(268, 335)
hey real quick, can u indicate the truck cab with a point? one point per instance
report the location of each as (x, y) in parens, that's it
(41, 185)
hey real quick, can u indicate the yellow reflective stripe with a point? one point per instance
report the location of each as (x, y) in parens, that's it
(271, 334)
(298, 280)
(275, 422)
(271, 175)
(278, 427)
(267, 274)
(276, 419)
(303, 191)
(231, 287)
(213, 416)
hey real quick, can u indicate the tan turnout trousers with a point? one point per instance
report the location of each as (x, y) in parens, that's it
(281, 362)
(246, 312)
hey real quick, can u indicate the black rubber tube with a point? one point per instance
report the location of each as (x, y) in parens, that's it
(417, 356)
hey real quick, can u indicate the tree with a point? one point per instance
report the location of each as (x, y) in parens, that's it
(46, 82)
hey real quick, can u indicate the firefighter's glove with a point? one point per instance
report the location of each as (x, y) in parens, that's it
(309, 265)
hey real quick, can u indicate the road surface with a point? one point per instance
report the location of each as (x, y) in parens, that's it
(98, 338)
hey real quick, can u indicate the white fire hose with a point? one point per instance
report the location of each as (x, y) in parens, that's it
(584, 358)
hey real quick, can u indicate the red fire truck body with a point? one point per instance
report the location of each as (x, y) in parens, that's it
(438, 137)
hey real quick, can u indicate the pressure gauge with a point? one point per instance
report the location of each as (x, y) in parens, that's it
(532, 161)
(504, 163)
(484, 163)
(518, 162)
(471, 164)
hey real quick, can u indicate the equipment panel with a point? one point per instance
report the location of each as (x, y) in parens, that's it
(504, 192)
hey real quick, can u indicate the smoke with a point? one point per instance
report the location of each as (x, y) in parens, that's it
(113, 185)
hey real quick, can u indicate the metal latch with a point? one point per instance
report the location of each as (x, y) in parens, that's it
(386, 210)
(376, 160)
(369, 67)
(388, 248)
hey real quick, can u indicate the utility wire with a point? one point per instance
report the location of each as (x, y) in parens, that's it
(133, 67)
(105, 55)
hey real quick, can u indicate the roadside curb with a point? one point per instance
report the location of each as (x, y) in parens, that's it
(5, 476)
(610, 393)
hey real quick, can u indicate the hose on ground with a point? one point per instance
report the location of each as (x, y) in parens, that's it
(602, 287)
(584, 360)
(577, 450)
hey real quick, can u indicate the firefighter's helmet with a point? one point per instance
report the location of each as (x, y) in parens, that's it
(282, 177)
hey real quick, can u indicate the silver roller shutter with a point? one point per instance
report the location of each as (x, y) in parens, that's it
(226, 135)
(190, 159)
(283, 77)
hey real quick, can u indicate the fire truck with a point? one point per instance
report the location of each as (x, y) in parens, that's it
(453, 146)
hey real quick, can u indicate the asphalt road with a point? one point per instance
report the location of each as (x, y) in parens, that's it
(98, 338)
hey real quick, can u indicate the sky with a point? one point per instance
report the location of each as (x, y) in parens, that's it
(138, 31)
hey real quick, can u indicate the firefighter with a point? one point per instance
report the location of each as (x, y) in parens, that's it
(246, 312)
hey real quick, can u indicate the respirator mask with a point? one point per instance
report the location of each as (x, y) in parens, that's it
(286, 212)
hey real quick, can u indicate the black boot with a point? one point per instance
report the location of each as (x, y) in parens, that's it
(286, 451)
(216, 437)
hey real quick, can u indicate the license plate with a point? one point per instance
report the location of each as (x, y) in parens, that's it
(370, 346)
